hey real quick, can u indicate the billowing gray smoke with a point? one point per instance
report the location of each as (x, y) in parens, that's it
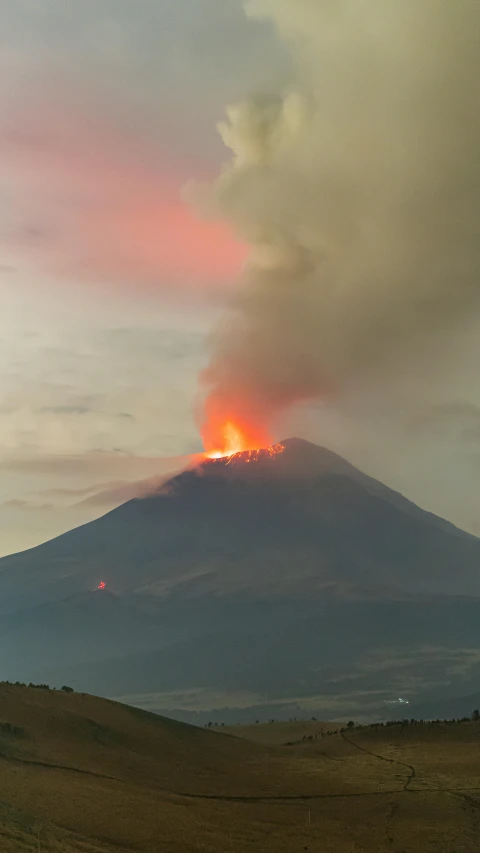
(358, 192)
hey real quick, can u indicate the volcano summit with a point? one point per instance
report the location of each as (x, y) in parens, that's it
(263, 558)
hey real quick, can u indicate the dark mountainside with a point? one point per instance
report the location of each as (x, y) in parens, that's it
(293, 575)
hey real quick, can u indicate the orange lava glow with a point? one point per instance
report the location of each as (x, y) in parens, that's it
(226, 438)
(232, 441)
(254, 455)
(229, 439)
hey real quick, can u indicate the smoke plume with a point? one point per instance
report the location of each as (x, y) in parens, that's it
(358, 192)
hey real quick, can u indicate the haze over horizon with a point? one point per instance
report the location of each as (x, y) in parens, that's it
(110, 284)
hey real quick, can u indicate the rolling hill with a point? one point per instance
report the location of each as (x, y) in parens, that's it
(79, 773)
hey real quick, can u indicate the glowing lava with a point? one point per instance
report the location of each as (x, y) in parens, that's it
(247, 456)
(231, 437)
(233, 440)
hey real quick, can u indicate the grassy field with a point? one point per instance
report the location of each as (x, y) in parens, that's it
(281, 734)
(84, 775)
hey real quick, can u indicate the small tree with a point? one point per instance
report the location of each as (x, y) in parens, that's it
(350, 725)
(67, 689)
(476, 714)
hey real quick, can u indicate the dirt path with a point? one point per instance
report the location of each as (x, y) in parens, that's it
(409, 767)
(48, 766)
(287, 798)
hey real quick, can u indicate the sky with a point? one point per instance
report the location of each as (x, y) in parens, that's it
(111, 282)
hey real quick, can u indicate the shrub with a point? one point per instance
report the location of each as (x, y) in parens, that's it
(10, 729)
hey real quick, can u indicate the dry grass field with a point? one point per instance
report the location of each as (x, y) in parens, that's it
(83, 775)
(280, 734)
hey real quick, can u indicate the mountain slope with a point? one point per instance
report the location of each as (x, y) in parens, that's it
(296, 524)
(90, 626)
(345, 658)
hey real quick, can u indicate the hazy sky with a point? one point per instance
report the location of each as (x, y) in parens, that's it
(110, 285)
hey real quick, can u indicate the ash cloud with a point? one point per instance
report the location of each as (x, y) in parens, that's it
(358, 192)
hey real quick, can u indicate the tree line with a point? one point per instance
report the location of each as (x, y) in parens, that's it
(405, 723)
(352, 726)
(65, 688)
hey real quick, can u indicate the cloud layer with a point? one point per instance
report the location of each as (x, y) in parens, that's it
(101, 125)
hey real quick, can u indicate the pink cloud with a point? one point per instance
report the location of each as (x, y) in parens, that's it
(90, 199)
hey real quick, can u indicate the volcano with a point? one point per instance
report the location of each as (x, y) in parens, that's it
(291, 550)
(295, 520)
